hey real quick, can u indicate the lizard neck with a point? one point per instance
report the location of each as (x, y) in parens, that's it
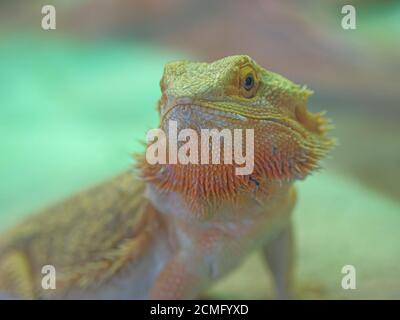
(246, 205)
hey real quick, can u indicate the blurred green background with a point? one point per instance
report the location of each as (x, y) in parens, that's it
(75, 103)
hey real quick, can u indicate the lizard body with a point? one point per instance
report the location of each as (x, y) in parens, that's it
(173, 229)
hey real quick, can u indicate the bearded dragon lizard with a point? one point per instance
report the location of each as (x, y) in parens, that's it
(168, 231)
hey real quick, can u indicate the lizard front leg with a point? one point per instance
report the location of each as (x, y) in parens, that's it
(279, 253)
(15, 277)
(181, 278)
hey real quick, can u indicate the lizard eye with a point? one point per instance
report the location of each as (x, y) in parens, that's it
(248, 82)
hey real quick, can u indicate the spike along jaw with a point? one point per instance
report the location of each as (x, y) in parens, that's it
(236, 93)
(291, 140)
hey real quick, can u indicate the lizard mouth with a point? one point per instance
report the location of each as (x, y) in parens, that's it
(313, 122)
(189, 112)
(302, 125)
(303, 120)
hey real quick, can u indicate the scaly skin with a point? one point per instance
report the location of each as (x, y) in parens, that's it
(173, 230)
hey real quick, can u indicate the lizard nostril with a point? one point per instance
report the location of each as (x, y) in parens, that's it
(172, 102)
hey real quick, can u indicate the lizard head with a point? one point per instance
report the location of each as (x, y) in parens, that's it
(238, 86)
(236, 93)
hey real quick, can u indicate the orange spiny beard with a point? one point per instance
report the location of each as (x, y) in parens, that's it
(281, 153)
